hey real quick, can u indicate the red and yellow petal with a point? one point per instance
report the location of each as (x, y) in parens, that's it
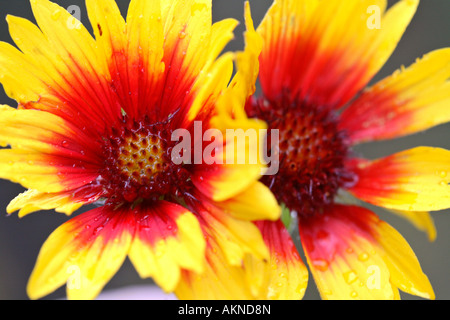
(334, 62)
(84, 252)
(133, 60)
(54, 50)
(288, 276)
(354, 255)
(161, 239)
(409, 101)
(188, 31)
(45, 154)
(64, 58)
(412, 180)
(167, 240)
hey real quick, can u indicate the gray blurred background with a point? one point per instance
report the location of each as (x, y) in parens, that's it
(21, 239)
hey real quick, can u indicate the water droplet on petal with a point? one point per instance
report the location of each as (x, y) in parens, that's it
(300, 289)
(320, 264)
(354, 294)
(350, 277)
(363, 256)
(56, 14)
(98, 229)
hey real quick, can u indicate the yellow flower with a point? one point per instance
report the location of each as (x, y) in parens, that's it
(316, 62)
(95, 124)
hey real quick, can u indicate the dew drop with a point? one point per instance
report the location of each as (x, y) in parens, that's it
(363, 256)
(56, 14)
(98, 229)
(350, 277)
(354, 294)
(182, 35)
(300, 289)
(320, 264)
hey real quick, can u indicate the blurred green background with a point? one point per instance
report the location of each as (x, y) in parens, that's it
(21, 239)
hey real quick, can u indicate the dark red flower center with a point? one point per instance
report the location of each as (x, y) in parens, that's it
(311, 154)
(138, 163)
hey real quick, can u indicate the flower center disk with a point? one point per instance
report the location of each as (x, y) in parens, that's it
(138, 163)
(311, 151)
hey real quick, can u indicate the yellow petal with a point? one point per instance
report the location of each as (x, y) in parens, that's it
(421, 220)
(230, 106)
(33, 200)
(21, 79)
(108, 26)
(219, 281)
(30, 169)
(255, 203)
(404, 268)
(30, 129)
(69, 37)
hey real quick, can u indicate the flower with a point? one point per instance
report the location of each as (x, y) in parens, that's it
(95, 123)
(317, 60)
